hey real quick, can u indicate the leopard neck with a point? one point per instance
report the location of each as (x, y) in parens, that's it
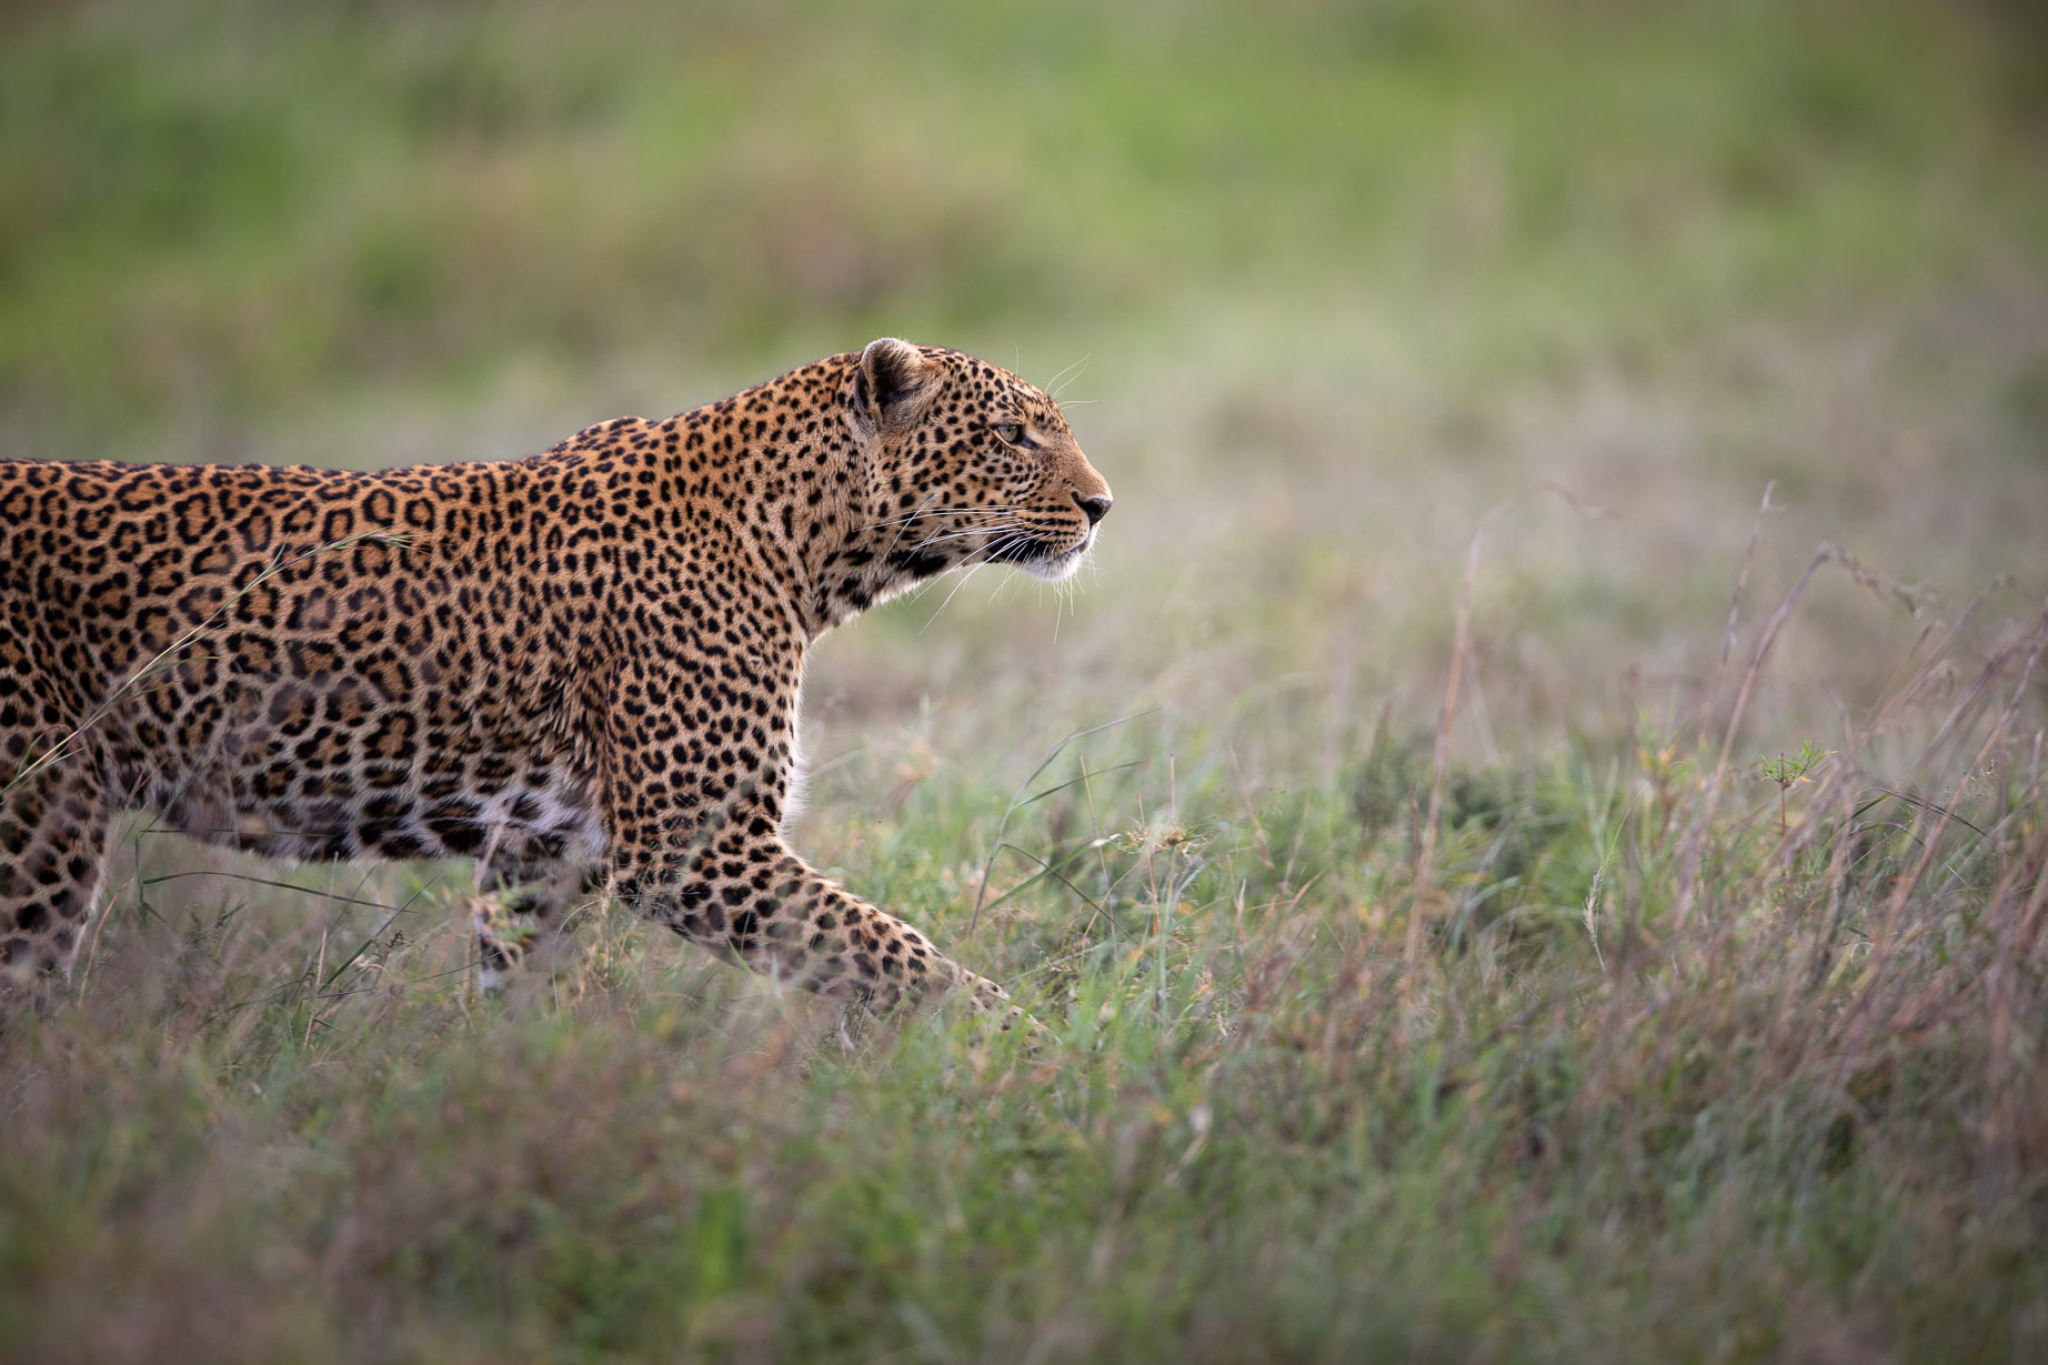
(780, 467)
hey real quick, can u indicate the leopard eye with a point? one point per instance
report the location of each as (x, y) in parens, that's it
(1009, 433)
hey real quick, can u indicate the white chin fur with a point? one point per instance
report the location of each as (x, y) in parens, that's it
(1055, 568)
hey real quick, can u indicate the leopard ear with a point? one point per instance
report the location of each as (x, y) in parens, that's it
(893, 380)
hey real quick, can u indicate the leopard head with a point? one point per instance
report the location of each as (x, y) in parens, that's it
(966, 464)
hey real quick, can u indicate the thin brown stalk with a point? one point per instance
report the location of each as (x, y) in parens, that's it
(1425, 861)
(1689, 870)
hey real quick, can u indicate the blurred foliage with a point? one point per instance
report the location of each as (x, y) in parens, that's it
(230, 206)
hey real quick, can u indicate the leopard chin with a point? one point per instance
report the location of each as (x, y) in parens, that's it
(1060, 565)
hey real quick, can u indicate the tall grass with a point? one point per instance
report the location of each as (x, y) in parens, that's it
(1585, 1057)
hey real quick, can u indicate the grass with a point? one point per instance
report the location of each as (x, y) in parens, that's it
(1668, 987)
(1310, 1102)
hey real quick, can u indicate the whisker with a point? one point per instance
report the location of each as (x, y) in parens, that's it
(965, 578)
(986, 528)
(906, 523)
(1068, 375)
(970, 560)
(970, 531)
(926, 586)
(940, 512)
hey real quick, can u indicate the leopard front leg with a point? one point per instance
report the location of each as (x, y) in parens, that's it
(735, 889)
(692, 778)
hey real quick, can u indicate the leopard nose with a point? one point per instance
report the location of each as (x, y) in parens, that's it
(1095, 507)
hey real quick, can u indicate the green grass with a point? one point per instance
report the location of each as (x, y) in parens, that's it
(1563, 1032)
(1550, 1120)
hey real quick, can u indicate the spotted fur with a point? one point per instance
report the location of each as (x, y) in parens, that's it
(580, 669)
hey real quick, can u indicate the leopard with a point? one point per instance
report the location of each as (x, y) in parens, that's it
(581, 670)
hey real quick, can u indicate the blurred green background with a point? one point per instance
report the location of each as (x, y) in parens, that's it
(1327, 281)
(235, 211)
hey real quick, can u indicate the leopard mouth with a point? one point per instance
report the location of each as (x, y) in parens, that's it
(1047, 557)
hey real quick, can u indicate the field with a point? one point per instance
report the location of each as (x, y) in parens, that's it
(1530, 834)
